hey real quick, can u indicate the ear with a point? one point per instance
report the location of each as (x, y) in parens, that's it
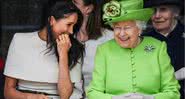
(140, 31)
(89, 8)
(176, 15)
(52, 20)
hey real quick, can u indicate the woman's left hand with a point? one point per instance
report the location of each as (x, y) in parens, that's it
(63, 44)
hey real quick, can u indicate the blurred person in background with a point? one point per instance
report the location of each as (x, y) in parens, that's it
(91, 34)
(167, 27)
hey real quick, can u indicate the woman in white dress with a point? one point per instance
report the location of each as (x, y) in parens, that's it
(42, 65)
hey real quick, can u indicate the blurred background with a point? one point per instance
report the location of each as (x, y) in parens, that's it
(17, 16)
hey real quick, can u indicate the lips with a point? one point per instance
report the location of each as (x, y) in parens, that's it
(124, 38)
(159, 21)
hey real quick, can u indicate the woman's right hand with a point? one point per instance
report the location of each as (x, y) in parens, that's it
(63, 44)
(36, 96)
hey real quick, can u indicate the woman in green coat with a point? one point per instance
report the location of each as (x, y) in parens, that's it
(131, 66)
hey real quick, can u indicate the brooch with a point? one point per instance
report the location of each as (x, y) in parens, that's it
(149, 48)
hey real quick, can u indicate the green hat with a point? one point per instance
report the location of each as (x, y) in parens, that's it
(123, 10)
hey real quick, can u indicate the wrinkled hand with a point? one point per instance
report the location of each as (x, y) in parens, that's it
(63, 44)
(133, 96)
(127, 96)
(145, 96)
(36, 96)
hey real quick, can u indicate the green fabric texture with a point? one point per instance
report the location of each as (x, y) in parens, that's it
(145, 69)
(122, 10)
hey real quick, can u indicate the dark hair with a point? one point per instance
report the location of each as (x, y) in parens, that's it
(94, 21)
(58, 11)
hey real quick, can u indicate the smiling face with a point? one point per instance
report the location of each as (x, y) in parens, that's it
(85, 9)
(126, 33)
(163, 18)
(63, 25)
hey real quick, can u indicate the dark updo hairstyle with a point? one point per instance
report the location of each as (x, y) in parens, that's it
(58, 10)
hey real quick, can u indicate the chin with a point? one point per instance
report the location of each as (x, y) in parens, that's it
(124, 45)
(160, 26)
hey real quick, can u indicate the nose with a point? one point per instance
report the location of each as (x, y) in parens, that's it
(157, 14)
(122, 32)
(70, 30)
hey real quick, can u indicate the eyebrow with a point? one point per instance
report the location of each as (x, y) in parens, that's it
(71, 22)
(124, 26)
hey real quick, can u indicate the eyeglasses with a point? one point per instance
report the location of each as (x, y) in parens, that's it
(126, 28)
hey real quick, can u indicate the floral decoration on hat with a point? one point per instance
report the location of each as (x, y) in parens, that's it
(123, 10)
(112, 9)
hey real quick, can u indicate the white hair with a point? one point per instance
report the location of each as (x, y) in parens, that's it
(175, 9)
(141, 24)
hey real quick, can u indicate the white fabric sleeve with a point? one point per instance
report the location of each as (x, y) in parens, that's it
(180, 74)
(11, 59)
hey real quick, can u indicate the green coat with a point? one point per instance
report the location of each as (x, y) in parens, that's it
(145, 69)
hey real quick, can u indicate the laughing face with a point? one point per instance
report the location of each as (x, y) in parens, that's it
(126, 33)
(63, 25)
(163, 18)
